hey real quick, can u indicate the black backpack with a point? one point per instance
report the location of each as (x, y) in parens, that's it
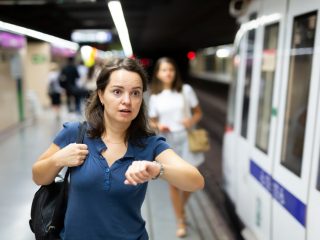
(50, 203)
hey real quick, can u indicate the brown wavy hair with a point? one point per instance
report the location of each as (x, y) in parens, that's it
(139, 127)
(157, 85)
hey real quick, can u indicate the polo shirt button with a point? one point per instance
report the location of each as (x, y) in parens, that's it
(107, 170)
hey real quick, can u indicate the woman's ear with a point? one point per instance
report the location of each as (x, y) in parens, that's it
(100, 96)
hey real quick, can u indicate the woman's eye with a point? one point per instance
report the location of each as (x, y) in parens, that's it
(136, 93)
(116, 92)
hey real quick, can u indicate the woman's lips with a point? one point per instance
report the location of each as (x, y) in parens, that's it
(125, 112)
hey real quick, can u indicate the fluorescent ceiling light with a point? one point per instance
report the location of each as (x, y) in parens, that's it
(118, 19)
(59, 42)
(223, 52)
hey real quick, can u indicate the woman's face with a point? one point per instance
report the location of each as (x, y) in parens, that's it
(122, 96)
(166, 73)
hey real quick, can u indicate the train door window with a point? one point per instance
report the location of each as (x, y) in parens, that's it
(233, 87)
(268, 67)
(301, 54)
(248, 77)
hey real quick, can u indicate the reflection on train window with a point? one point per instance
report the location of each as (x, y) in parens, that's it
(209, 63)
(247, 86)
(268, 68)
(233, 87)
(298, 91)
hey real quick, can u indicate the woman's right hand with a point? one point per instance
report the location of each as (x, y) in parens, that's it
(163, 128)
(72, 155)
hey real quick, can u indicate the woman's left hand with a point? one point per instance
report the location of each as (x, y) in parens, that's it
(187, 122)
(141, 171)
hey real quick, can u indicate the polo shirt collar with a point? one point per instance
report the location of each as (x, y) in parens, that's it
(101, 146)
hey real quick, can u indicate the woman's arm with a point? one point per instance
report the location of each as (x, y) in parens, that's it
(49, 164)
(179, 172)
(196, 117)
(196, 114)
(176, 171)
(154, 123)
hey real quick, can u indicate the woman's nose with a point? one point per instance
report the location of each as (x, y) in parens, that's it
(126, 98)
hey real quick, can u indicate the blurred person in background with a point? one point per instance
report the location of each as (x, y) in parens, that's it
(90, 83)
(54, 89)
(119, 155)
(68, 78)
(173, 109)
(86, 83)
(83, 72)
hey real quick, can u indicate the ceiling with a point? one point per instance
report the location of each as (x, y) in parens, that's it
(155, 26)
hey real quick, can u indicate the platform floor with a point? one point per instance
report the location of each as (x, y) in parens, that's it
(20, 147)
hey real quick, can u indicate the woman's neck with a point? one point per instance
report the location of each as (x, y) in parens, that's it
(115, 132)
(167, 85)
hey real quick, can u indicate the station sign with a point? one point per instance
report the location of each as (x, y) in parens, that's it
(92, 36)
(12, 41)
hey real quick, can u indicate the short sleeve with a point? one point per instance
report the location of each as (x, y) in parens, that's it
(67, 134)
(191, 95)
(159, 145)
(152, 109)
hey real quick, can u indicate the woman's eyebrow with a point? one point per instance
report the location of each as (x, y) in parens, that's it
(117, 86)
(122, 87)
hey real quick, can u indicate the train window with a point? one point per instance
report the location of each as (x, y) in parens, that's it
(210, 63)
(247, 85)
(268, 67)
(301, 54)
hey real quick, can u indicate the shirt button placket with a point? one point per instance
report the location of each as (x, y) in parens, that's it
(107, 179)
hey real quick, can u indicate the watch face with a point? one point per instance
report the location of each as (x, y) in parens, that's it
(161, 170)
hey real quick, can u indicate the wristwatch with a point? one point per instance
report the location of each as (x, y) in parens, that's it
(161, 172)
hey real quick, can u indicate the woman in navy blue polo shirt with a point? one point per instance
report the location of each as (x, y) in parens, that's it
(119, 155)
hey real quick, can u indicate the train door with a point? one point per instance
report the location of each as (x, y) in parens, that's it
(243, 115)
(313, 209)
(265, 104)
(296, 122)
(230, 135)
(228, 162)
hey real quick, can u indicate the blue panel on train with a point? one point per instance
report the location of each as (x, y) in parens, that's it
(292, 204)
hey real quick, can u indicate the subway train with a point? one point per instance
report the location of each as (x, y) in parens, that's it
(271, 171)
(213, 64)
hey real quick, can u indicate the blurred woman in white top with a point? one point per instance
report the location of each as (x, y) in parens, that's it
(173, 109)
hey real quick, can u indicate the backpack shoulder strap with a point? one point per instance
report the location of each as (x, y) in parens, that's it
(80, 136)
(82, 131)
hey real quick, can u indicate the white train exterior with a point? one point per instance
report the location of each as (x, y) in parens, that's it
(272, 141)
